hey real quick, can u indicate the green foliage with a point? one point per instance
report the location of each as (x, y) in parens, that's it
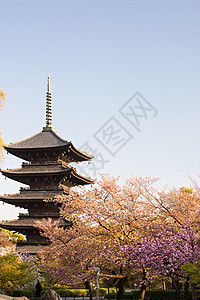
(112, 290)
(112, 295)
(79, 292)
(160, 294)
(102, 291)
(194, 271)
(151, 295)
(63, 292)
(13, 236)
(20, 293)
(46, 288)
(14, 273)
(155, 295)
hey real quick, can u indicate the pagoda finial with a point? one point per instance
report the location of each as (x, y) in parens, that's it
(48, 105)
(49, 85)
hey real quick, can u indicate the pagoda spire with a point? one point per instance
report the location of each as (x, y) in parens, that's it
(48, 105)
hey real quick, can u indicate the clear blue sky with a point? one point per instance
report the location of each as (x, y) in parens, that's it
(98, 55)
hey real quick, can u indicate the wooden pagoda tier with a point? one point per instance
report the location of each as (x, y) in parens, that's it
(47, 146)
(25, 224)
(38, 209)
(47, 174)
(33, 200)
(47, 177)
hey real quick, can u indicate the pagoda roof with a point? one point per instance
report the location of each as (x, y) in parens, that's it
(79, 154)
(26, 223)
(31, 249)
(16, 225)
(80, 178)
(47, 139)
(71, 175)
(43, 139)
(28, 197)
(32, 195)
(32, 170)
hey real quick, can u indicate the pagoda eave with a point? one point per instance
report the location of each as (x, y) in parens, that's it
(31, 248)
(25, 177)
(80, 179)
(85, 156)
(29, 170)
(15, 228)
(32, 195)
(15, 151)
(23, 203)
(14, 202)
(14, 175)
(69, 151)
(19, 224)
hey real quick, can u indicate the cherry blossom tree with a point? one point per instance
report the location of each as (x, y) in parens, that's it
(164, 250)
(99, 217)
(108, 216)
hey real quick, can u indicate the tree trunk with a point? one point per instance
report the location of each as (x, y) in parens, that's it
(120, 292)
(143, 286)
(186, 287)
(88, 286)
(142, 294)
(164, 285)
(194, 292)
(108, 285)
(176, 285)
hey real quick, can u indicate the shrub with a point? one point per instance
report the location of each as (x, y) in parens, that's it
(154, 295)
(102, 291)
(63, 292)
(111, 295)
(20, 293)
(44, 289)
(78, 292)
(160, 294)
(74, 292)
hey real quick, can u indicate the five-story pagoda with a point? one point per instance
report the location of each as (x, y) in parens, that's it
(47, 173)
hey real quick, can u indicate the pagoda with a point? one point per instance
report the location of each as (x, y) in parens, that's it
(47, 173)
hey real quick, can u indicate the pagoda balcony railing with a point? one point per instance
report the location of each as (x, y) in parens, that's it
(26, 164)
(33, 215)
(24, 188)
(24, 214)
(41, 163)
(41, 189)
(39, 216)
